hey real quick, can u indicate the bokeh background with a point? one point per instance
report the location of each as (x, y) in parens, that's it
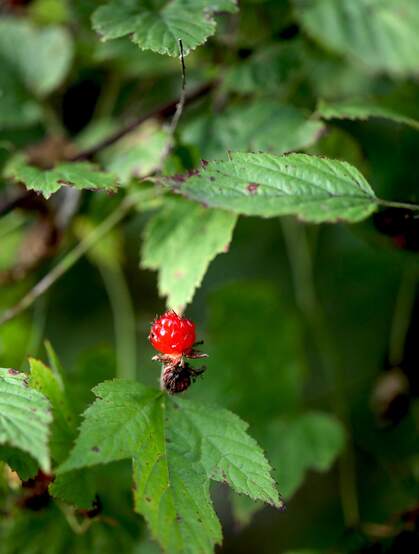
(311, 331)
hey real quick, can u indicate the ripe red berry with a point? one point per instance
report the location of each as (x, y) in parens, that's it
(172, 334)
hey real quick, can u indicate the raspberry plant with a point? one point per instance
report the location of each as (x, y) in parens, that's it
(279, 133)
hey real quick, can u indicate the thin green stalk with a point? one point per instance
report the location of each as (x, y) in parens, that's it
(124, 320)
(402, 314)
(302, 274)
(390, 204)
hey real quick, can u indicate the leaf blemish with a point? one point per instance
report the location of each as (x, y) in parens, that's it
(95, 449)
(252, 188)
(63, 182)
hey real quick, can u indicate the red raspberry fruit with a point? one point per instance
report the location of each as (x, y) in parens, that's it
(172, 334)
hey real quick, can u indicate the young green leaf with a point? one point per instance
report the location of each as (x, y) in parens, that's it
(362, 110)
(25, 417)
(43, 380)
(380, 34)
(176, 446)
(81, 175)
(180, 242)
(159, 25)
(315, 189)
(258, 126)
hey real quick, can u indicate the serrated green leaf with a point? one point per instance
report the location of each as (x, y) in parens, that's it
(158, 25)
(25, 417)
(63, 426)
(312, 440)
(362, 110)
(176, 449)
(39, 57)
(172, 490)
(379, 34)
(259, 126)
(315, 189)
(226, 451)
(81, 175)
(180, 241)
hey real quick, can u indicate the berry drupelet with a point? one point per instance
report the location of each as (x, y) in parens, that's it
(171, 334)
(175, 337)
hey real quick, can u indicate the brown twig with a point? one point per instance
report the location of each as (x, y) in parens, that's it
(162, 112)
